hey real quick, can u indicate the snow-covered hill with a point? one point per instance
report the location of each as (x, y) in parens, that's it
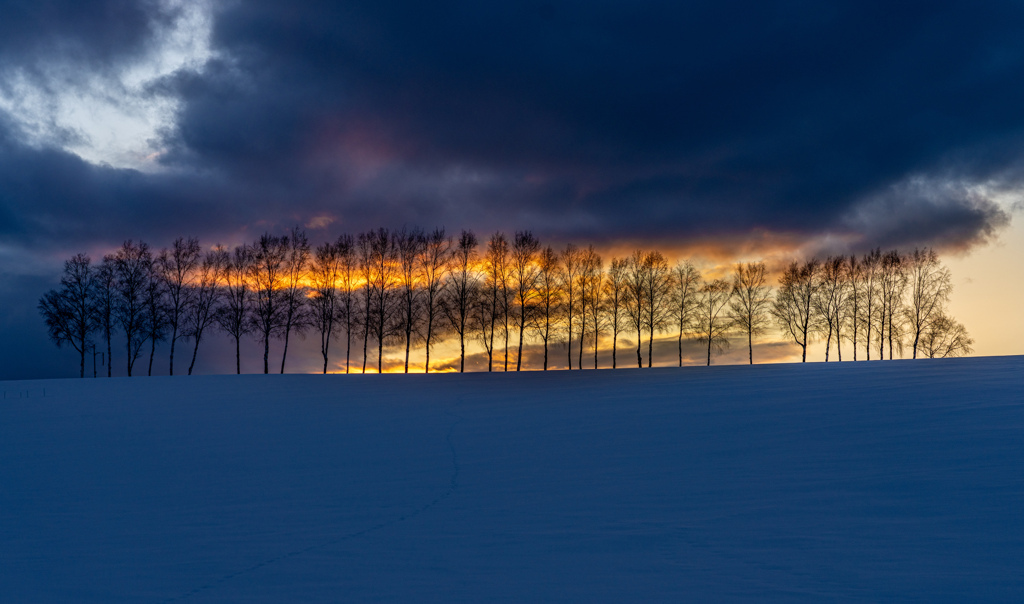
(883, 481)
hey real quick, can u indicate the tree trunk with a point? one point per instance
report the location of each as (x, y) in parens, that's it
(174, 337)
(284, 355)
(195, 353)
(615, 337)
(238, 356)
(408, 344)
(519, 356)
(266, 355)
(152, 355)
(462, 353)
(639, 342)
(750, 344)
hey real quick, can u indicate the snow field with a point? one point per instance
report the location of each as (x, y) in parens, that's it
(894, 481)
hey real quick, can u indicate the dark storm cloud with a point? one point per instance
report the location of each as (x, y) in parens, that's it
(576, 119)
(44, 34)
(623, 119)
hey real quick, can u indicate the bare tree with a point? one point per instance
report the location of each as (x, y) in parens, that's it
(499, 274)
(325, 273)
(856, 285)
(201, 314)
(930, 285)
(408, 245)
(943, 337)
(571, 265)
(712, 321)
(175, 267)
(593, 268)
(751, 301)
(133, 270)
(830, 300)
(614, 295)
(384, 276)
(496, 279)
(364, 260)
(656, 296)
(70, 312)
(154, 319)
(347, 303)
(433, 262)
(461, 290)
(588, 285)
(793, 304)
(105, 287)
(686, 282)
(294, 310)
(872, 264)
(524, 275)
(892, 284)
(634, 300)
(233, 315)
(266, 275)
(549, 295)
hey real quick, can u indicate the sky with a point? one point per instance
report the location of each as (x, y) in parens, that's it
(725, 130)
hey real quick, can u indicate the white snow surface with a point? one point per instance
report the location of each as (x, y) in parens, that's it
(881, 481)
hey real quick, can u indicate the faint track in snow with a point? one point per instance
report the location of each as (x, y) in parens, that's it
(452, 485)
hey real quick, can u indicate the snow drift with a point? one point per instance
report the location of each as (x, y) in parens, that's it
(896, 481)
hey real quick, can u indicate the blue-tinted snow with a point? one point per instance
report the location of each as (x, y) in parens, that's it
(882, 481)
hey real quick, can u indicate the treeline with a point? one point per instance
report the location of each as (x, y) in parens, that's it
(409, 288)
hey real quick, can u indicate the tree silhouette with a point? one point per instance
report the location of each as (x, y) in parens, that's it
(325, 273)
(461, 290)
(201, 314)
(434, 259)
(347, 307)
(686, 282)
(266, 276)
(793, 304)
(589, 286)
(830, 300)
(294, 311)
(857, 293)
(571, 260)
(930, 285)
(174, 268)
(872, 264)
(495, 303)
(407, 250)
(549, 294)
(70, 312)
(892, 284)
(154, 317)
(634, 300)
(133, 269)
(751, 302)
(383, 273)
(615, 292)
(593, 288)
(525, 274)
(233, 315)
(105, 284)
(943, 337)
(656, 297)
(713, 320)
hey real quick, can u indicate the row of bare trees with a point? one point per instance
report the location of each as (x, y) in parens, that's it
(408, 288)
